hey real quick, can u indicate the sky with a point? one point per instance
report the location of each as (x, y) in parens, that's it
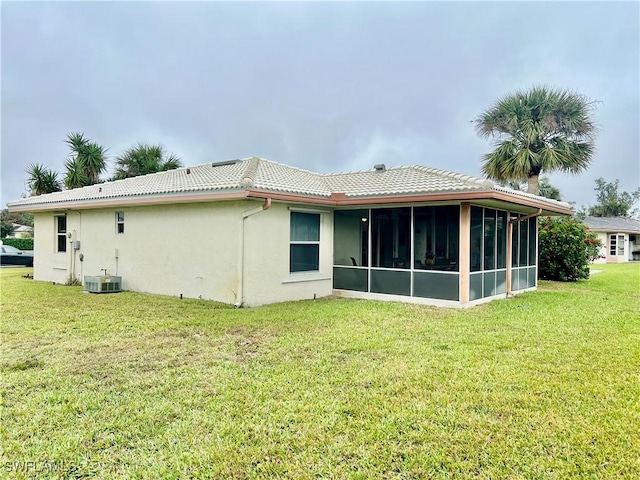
(326, 86)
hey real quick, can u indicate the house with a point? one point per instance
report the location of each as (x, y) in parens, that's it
(252, 231)
(21, 231)
(620, 238)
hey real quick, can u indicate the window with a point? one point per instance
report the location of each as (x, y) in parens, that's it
(616, 245)
(304, 248)
(524, 243)
(501, 252)
(476, 239)
(119, 222)
(533, 241)
(436, 232)
(351, 238)
(61, 233)
(391, 238)
(489, 239)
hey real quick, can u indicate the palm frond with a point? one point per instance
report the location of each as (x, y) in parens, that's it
(75, 176)
(143, 159)
(542, 129)
(41, 180)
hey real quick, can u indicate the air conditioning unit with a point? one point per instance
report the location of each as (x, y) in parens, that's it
(102, 284)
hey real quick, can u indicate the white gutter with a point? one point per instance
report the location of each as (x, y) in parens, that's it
(245, 215)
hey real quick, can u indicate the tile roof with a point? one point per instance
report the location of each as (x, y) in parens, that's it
(260, 174)
(613, 224)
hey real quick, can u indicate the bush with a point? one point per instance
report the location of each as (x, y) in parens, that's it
(566, 249)
(21, 243)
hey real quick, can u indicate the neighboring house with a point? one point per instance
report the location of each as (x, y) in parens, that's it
(620, 238)
(21, 231)
(250, 232)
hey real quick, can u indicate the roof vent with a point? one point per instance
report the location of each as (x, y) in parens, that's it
(380, 167)
(188, 171)
(227, 162)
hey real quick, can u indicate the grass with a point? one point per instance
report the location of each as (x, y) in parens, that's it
(544, 385)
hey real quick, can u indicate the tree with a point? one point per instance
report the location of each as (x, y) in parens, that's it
(6, 224)
(8, 220)
(611, 203)
(540, 130)
(76, 175)
(86, 163)
(566, 247)
(42, 180)
(144, 159)
(21, 218)
(545, 189)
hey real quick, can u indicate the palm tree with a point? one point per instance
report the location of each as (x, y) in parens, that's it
(144, 159)
(545, 189)
(87, 158)
(42, 180)
(541, 130)
(75, 176)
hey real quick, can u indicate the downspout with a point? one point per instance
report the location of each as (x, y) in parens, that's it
(510, 244)
(70, 236)
(245, 215)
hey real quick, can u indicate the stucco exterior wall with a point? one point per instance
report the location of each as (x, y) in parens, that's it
(266, 267)
(604, 250)
(188, 249)
(48, 265)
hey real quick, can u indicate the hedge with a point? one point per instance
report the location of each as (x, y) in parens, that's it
(567, 247)
(21, 243)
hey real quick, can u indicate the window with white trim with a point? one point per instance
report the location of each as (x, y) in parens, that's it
(61, 233)
(304, 245)
(119, 222)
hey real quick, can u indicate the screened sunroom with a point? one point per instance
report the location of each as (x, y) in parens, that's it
(446, 253)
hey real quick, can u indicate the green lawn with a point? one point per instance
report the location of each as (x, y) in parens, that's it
(544, 385)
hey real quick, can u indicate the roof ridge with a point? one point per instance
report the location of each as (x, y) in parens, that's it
(370, 170)
(457, 176)
(249, 176)
(291, 167)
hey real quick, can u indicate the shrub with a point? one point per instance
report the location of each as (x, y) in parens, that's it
(566, 249)
(21, 243)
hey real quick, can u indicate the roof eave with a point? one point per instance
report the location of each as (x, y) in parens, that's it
(613, 230)
(547, 209)
(335, 199)
(131, 201)
(338, 199)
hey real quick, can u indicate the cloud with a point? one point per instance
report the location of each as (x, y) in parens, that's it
(322, 86)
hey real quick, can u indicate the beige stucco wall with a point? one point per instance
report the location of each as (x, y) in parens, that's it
(48, 265)
(188, 249)
(169, 250)
(266, 266)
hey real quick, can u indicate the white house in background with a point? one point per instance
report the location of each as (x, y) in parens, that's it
(250, 232)
(620, 238)
(21, 231)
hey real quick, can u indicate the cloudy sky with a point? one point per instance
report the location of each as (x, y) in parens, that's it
(321, 86)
